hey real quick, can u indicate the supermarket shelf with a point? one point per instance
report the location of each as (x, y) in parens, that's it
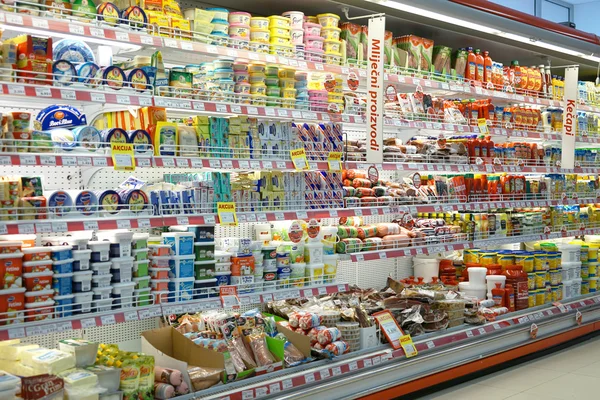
(143, 220)
(90, 320)
(370, 370)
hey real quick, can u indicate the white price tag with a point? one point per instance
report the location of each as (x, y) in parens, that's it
(14, 19)
(470, 334)
(309, 378)
(430, 344)
(98, 97)
(182, 162)
(97, 32)
(322, 291)
(123, 224)
(252, 110)
(84, 161)
(26, 229)
(261, 217)
(383, 255)
(168, 162)
(131, 315)
(324, 374)
(336, 371)
(255, 165)
(43, 227)
(90, 225)
(261, 392)
(123, 100)
(248, 394)
(122, 36)
(222, 108)
(196, 105)
(360, 257)
(279, 216)
(216, 164)
(60, 227)
(88, 323)
(183, 221)
(48, 160)
(100, 162)
(68, 95)
(282, 113)
(108, 320)
(287, 384)
(376, 360)
(16, 333)
(306, 293)
(16, 90)
(39, 23)
(274, 388)
(43, 92)
(353, 366)
(171, 43)
(235, 109)
(27, 160)
(64, 326)
(269, 111)
(481, 331)
(333, 213)
(227, 164)
(209, 219)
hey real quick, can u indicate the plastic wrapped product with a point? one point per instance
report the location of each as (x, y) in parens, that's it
(64, 139)
(86, 202)
(258, 343)
(114, 135)
(163, 391)
(72, 50)
(134, 17)
(64, 72)
(373, 243)
(309, 321)
(138, 79)
(345, 232)
(203, 378)
(168, 375)
(60, 203)
(312, 334)
(328, 335)
(338, 347)
(367, 231)
(88, 74)
(109, 13)
(135, 199)
(59, 116)
(113, 77)
(350, 245)
(87, 137)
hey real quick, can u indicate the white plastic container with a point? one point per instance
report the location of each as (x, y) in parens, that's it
(569, 252)
(139, 241)
(573, 270)
(426, 267)
(8, 381)
(108, 377)
(314, 273)
(329, 239)
(576, 287)
(84, 351)
(160, 261)
(82, 281)
(491, 281)
(330, 268)
(102, 299)
(38, 253)
(100, 251)
(182, 243)
(101, 280)
(181, 289)
(78, 242)
(122, 294)
(477, 276)
(313, 253)
(82, 302)
(102, 293)
(222, 256)
(140, 254)
(224, 267)
(143, 282)
(115, 236)
(181, 266)
(122, 269)
(469, 289)
(81, 260)
(262, 232)
(101, 268)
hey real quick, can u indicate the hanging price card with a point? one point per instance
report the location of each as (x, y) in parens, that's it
(227, 215)
(334, 161)
(299, 159)
(482, 124)
(122, 156)
(390, 328)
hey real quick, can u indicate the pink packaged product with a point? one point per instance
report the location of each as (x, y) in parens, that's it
(313, 42)
(240, 17)
(311, 29)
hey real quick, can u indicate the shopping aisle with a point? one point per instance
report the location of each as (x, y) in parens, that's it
(568, 374)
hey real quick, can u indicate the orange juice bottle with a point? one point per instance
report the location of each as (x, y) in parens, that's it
(487, 68)
(516, 73)
(471, 72)
(479, 61)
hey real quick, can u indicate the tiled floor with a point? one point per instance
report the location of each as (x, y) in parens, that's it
(568, 374)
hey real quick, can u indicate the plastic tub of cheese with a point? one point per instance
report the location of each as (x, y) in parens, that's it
(182, 243)
(142, 297)
(35, 281)
(139, 241)
(100, 251)
(11, 266)
(159, 273)
(9, 383)
(159, 261)
(120, 242)
(102, 299)
(12, 304)
(79, 381)
(61, 252)
(82, 281)
(181, 289)
(10, 247)
(122, 269)
(37, 253)
(101, 268)
(181, 266)
(25, 240)
(62, 284)
(108, 377)
(204, 251)
(39, 296)
(78, 242)
(64, 305)
(99, 281)
(37, 266)
(159, 250)
(83, 302)
(39, 311)
(140, 268)
(122, 294)
(140, 254)
(142, 282)
(84, 352)
(81, 260)
(159, 285)
(63, 266)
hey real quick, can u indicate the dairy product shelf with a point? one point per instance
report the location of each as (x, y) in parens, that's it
(329, 375)
(90, 320)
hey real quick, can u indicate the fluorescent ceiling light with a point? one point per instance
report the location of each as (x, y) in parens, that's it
(87, 39)
(483, 28)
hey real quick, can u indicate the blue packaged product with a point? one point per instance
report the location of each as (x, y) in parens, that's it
(181, 266)
(62, 253)
(142, 142)
(133, 199)
(114, 135)
(205, 288)
(181, 289)
(64, 73)
(63, 305)
(60, 203)
(72, 50)
(108, 201)
(113, 77)
(88, 137)
(59, 116)
(223, 278)
(138, 80)
(63, 266)
(63, 139)
(62, 284)
(86, 202)
(87, 73)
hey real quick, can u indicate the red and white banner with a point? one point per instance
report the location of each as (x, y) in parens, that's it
(375, 86)
(569, 118)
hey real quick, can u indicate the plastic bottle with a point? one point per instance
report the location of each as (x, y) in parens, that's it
(509, 297)
(554, 87)
(544, 88)
(498, 295)
(479, 61)
(516, 72)
(471, 72)
(548, 79)
(488, 68)
(531, 79)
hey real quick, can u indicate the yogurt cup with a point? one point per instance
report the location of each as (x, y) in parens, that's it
(82, 281)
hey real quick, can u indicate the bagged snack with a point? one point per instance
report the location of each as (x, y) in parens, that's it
(328, 335)
(258, 344)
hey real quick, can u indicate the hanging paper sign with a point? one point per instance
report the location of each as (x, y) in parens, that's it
(123, 156)
(226, 213)
(314, 228)
(390, 328)
(334, 160)
(570, 119)
(229, 297)
(299, 159)
(375, 87)
(353, 81)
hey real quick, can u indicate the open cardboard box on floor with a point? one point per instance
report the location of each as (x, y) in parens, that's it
(173, 350)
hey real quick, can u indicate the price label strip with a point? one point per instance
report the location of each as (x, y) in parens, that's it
(299, 159)
(227, 214)
(123, 156)
(334, 161)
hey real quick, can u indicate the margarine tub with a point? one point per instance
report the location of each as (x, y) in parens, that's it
(276, 21)
(259, 23)
(328, 20)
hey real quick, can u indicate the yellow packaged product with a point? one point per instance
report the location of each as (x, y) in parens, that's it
(531, 298)
(540, 297)
(487, 258)
(158, 23)
(181, 29)
(525, 260)
(171, 8)
(540, 261)
(471, 256)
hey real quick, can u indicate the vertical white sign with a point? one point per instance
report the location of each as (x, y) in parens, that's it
(375, 85)
(569, 118)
